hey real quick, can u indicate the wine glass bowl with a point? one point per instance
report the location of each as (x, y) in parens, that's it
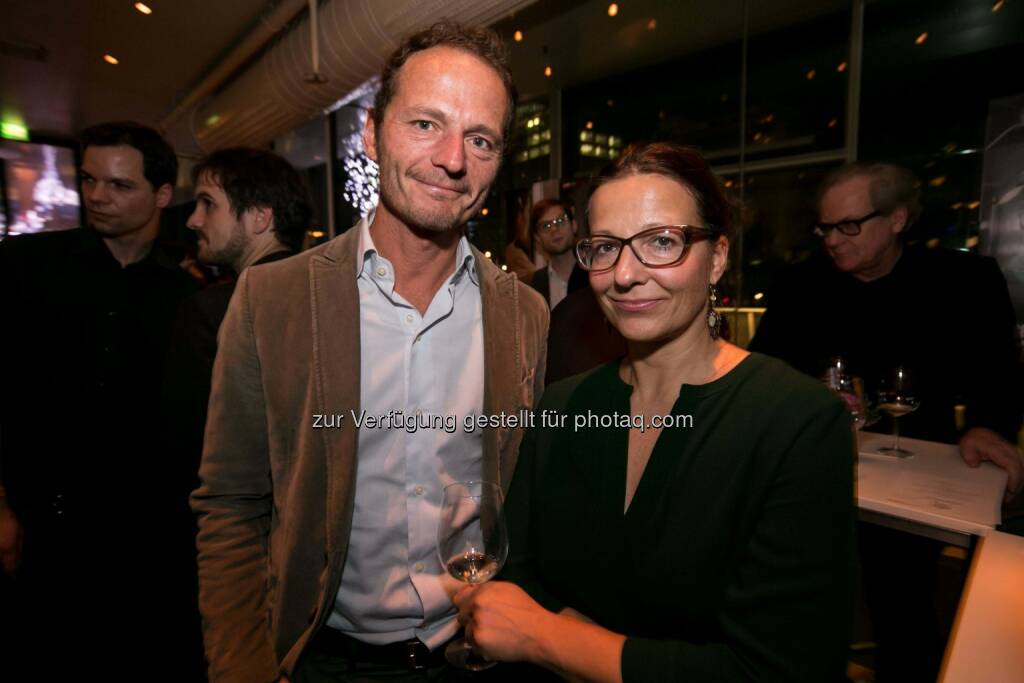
(472, 544)
(896, 399)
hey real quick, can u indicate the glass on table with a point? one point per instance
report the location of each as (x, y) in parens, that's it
(896, 398)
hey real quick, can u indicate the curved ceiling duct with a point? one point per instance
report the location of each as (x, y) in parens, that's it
(272, 96)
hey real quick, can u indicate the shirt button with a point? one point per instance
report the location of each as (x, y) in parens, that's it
(409, 318)
(418, 490)
(382, 271)
(419, 567)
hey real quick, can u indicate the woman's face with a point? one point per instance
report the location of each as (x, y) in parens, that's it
(653, 304)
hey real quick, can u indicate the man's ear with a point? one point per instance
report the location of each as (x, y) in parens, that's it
(164, 194)
(370, 135)
(898, 219)
(261, 219)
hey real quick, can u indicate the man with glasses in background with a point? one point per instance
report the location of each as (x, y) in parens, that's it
(879, 303)
(553, 226)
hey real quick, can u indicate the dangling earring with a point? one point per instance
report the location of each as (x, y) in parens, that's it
(714, 319)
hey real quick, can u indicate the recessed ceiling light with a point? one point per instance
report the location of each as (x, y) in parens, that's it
(518, 36)
(144, 8)
(811, 74)
(921, 38)
(110, 59)
(652, 24)
(998, 6)
(842, 67)
(547, 71)
(613, 9)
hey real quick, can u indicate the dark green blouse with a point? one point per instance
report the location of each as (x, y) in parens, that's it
(736, 558)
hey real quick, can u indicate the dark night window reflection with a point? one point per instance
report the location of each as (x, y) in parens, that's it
(931, 70)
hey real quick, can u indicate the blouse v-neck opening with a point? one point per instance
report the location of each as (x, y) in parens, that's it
(659, 461)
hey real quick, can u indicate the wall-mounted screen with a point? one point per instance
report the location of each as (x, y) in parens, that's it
(40, 186)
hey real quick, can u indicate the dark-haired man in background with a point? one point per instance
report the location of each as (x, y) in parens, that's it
(87, 318)
(251, 208)
(553, 226)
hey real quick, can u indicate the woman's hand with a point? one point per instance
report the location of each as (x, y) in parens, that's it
(502, 621)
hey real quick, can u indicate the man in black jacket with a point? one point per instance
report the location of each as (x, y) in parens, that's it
(946, 316)
(87, 318)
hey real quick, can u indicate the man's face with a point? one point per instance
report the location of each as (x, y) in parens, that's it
(559, 238)
(118, 199)
(439, 144)
(223, 238)
(871, 253)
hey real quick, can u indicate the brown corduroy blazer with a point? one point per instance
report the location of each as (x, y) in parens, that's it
(275, 495)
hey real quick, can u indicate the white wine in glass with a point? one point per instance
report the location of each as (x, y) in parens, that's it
(472, 543)
(897, 399)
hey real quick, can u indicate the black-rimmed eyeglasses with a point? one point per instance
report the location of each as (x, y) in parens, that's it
(660, 247)
(848, 227)
(553, 223)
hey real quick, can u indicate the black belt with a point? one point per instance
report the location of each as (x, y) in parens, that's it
(412, 655)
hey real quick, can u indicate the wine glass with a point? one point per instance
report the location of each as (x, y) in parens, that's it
(848, 388)
(896, 398)
(472, 543)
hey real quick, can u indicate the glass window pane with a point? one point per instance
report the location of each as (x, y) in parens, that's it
(931, 72)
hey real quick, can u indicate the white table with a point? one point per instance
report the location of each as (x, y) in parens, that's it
(987, 643)
(934, 493)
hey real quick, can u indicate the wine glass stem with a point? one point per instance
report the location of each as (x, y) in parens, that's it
(896, 433)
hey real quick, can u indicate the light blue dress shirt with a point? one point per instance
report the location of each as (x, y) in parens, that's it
(431, 369)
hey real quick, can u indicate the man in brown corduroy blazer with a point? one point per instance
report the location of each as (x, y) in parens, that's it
(290, 552)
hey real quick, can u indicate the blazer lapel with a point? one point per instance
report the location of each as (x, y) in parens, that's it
(503, 371)
(334, 299)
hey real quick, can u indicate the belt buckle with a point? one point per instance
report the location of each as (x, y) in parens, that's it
(417, 655)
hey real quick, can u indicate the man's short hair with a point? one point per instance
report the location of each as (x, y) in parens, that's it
(255, 178)
(159, 163)
(543, 205)
(478, 41)
(890, 187)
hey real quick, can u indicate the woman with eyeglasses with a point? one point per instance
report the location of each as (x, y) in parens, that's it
(689, 515)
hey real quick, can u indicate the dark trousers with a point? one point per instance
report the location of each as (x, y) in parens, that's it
(318, 665)
(76, 611)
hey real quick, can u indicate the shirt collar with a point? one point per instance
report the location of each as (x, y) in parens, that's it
(370, 259)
